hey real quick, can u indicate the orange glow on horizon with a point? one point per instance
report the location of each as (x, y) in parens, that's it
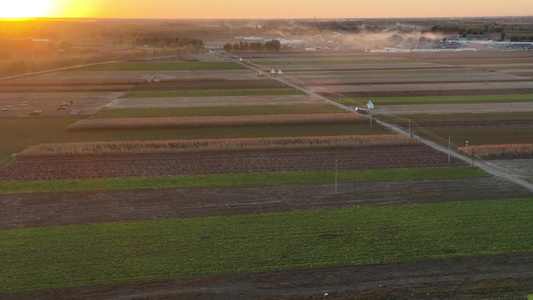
(272, 9)
(27, 9)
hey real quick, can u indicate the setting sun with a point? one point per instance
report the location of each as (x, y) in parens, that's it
(26, 9)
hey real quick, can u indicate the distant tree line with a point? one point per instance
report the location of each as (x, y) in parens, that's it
(467, 29)
(168, 41)
(522, 38)
(270, 46)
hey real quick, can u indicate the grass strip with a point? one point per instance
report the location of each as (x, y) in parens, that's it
(438, 99)
(164, 66)
(218, 180)
(212, 93)
(217, 111)
(375, 72)
(47, 258)
(337, 62)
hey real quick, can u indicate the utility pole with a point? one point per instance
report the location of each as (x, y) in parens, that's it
(449, 147)
(336, 177)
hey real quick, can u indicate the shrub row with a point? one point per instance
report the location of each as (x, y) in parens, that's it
(504, 151)
(214, 145)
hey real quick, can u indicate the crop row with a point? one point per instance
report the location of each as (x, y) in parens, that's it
(45, 258)
(215, 145)
(505, 151)
(443, 99)
(239, 179)
(216, 121)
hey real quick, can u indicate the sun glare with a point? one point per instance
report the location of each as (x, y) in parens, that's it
(26, 9)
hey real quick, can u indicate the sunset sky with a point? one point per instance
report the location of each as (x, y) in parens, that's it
(264, 9)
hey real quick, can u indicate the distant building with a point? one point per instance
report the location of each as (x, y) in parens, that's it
(214, 46)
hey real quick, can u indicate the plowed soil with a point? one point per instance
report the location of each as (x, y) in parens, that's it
(218, 163)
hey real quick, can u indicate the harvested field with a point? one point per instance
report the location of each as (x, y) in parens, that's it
(65, 88)
(211, 101)
(22, 104)
(226, 162)
(505, 151)
(217, 145)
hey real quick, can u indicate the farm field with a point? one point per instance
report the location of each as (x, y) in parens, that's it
(308, 231)
(425, 224)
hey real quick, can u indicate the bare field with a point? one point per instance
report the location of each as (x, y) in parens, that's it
(224, 162)
(521, 168)
(212, 101)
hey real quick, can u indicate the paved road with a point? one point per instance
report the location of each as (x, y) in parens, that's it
(481, 164)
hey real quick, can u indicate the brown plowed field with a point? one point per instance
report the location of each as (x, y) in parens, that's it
(217, 163)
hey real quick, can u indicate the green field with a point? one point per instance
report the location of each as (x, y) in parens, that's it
(164, 66)
(55, 257)
(197, 181)
(440, 99)
(217, 111)
(212, 93)
(218, 133)
(18, 133)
